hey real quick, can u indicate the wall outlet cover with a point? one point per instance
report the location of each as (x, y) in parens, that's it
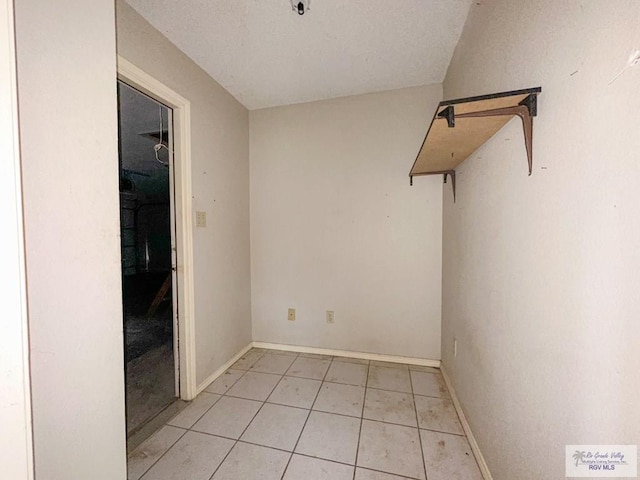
(291, 315)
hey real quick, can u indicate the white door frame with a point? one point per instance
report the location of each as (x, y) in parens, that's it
(16, 439)
(137, 78)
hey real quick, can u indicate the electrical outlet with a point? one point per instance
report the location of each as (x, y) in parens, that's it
(330, 316)
(201, 219)
(291, 316)
(455, 348)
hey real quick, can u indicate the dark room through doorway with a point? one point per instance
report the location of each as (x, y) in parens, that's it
(148, 256)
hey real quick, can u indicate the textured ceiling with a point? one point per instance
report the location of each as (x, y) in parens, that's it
(266, 55)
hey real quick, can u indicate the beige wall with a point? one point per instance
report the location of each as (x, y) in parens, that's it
(220, 168)
(336, 226)
(541, 273)
(67, 100)
(16, 450)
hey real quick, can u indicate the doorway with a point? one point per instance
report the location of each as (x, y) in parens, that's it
(148, 234)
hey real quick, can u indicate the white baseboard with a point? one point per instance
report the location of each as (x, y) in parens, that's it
(211, 378)
(347, 353)
(484, 469)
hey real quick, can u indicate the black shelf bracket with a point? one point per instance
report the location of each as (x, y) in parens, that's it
(449, 114)
(440, 140)
(522, 111)
(444, 173)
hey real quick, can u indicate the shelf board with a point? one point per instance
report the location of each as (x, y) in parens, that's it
(461, 126)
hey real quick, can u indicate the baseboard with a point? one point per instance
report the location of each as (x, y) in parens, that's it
(222, 369)
(484, 469)
(348, 353)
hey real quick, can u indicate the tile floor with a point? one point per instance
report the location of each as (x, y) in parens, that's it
(286, 416)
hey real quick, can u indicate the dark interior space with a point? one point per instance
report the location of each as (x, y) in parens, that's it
(147, 283)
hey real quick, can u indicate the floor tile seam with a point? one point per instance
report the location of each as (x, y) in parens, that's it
(141, 477)
(387, 472)
(342, 383)
(432, 396)
(364, 401)
(237, 440)
(389, 423)
(256, 400)
(230, 386)
(305, 425)
(387, 390)
(244, 398)
(268, 373)
(335, 413)
(424, 463)
(203, 414)
(304, 378)
(271, 402)
(442, 431)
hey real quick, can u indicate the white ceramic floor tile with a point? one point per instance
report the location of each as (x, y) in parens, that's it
(438, 414)
(361, 361)
(377, 363)
(254, 386)
(271, 363)
(195, 457)
(316, 355)
(347, 373)
(309, 368)
(364, 474)
(331, 437)
(448, 457)
(251, 462)
(229, 417)
(422, 368)
(391, 448)
(224, 382)
(295, 392)
(276, 426)
(149, 451)
(247, 360)
(281, 352)
(305, 468)
(386, 378)
(392, 407)
(192, 412)
(342, 399)
(429, 384)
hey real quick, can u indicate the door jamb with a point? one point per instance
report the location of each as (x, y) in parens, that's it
(137, 78)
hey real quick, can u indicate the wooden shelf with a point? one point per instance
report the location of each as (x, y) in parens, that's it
(459, 127)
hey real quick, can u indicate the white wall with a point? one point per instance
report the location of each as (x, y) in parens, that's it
(68, 129)
(541, 273)
(220, 168)
(16, 449)
(336, 226)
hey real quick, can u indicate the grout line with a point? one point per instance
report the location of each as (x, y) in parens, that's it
(424, 464)
(310, 410)
(364, 402)
(230, 386)
(305, 424)
(194, 423)
(445, 433)
(433, 396)
(141, 477)
(297, 453)
(243, 431)
(388, 473)
(190, 404)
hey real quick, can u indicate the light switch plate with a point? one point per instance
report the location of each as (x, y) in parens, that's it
(201, 219)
